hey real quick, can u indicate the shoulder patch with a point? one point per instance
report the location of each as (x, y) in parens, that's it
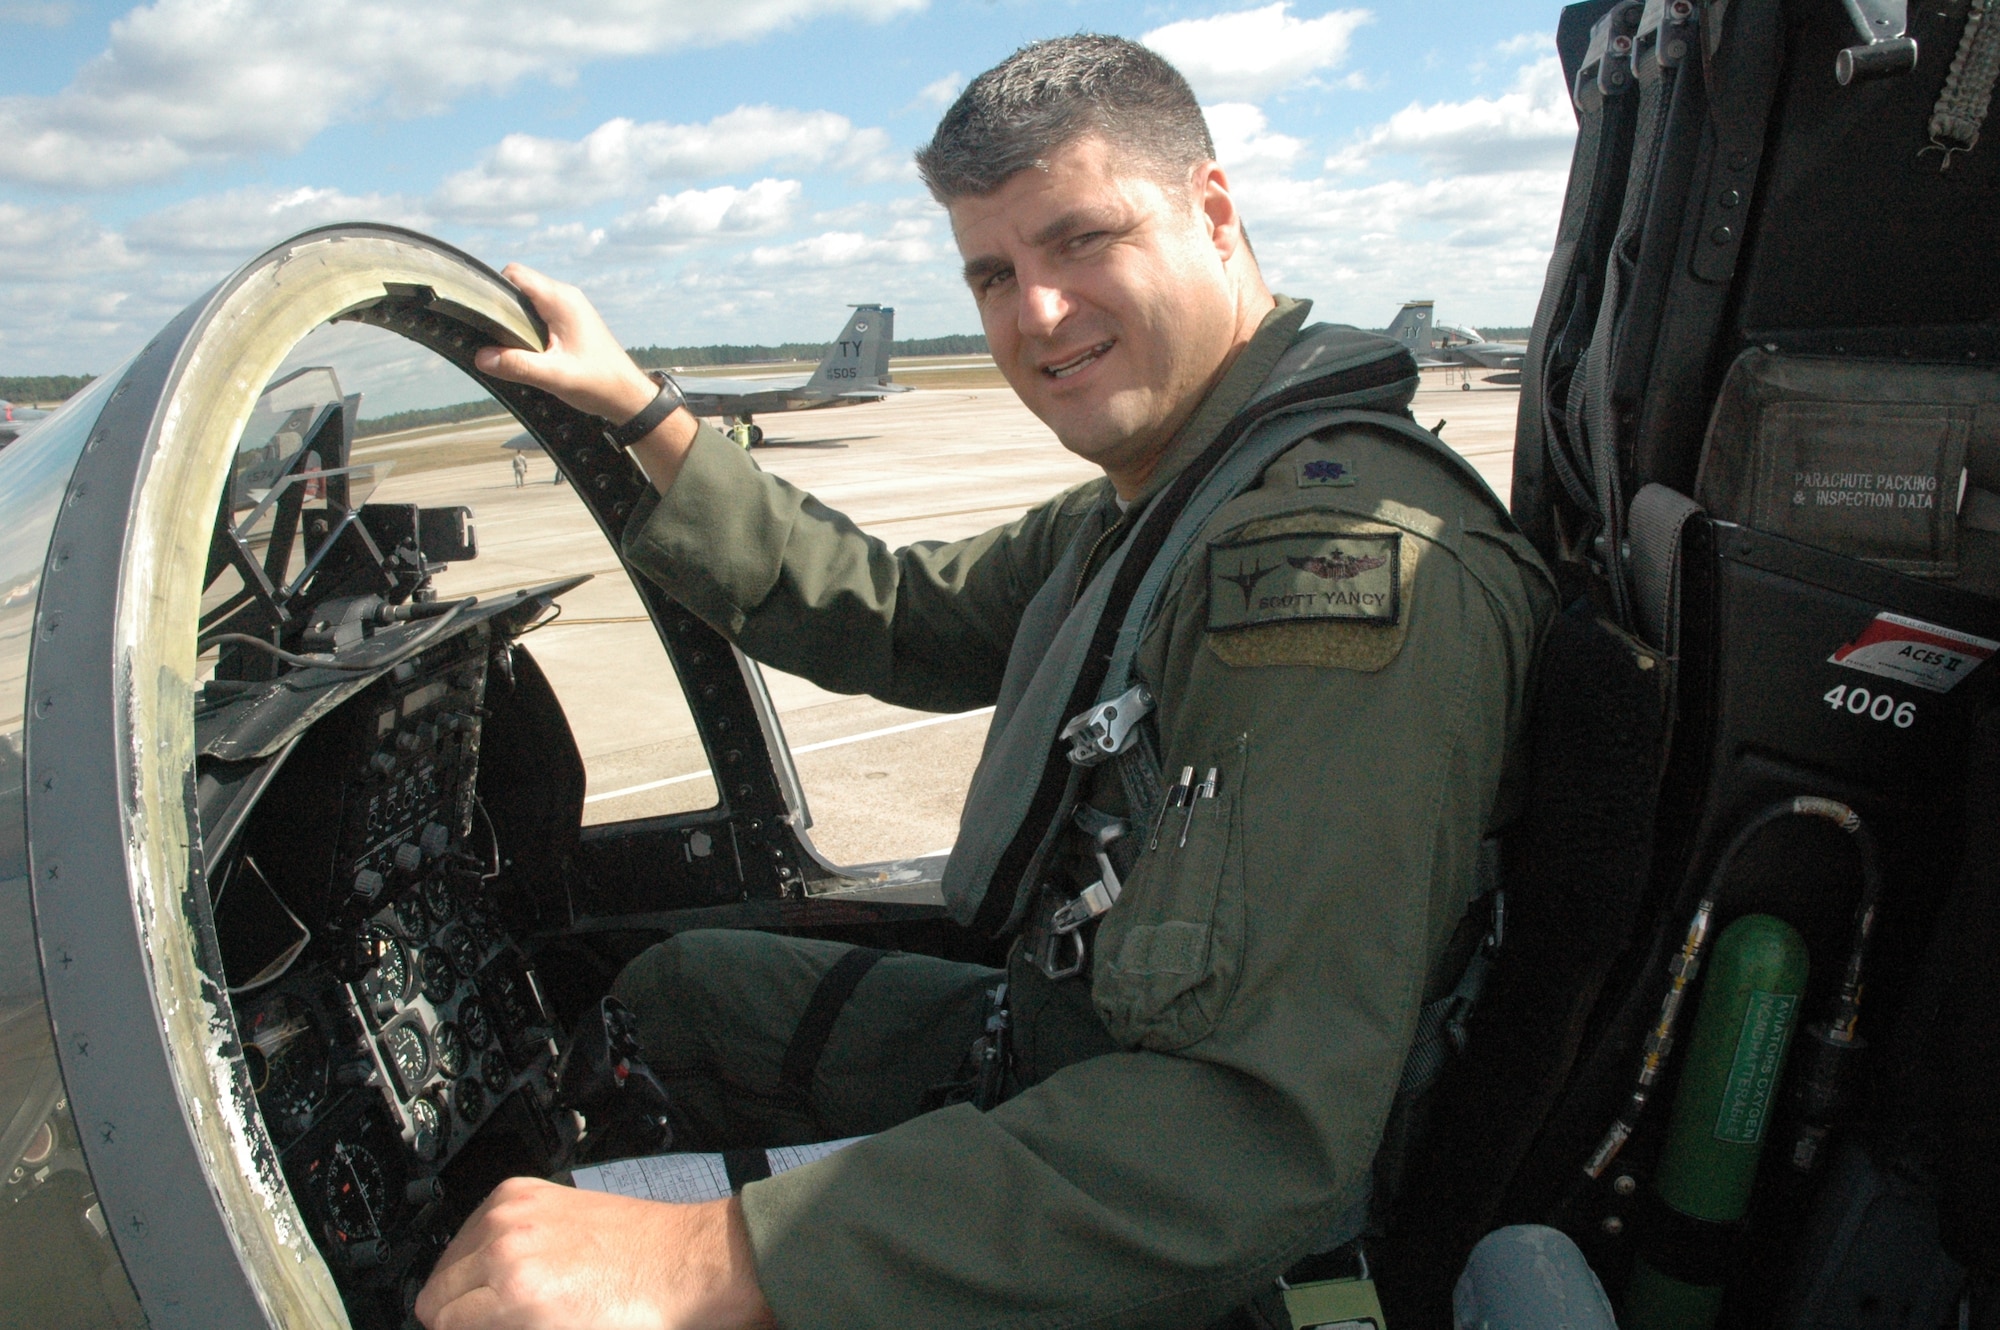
(1297, 577)
(1324, 471)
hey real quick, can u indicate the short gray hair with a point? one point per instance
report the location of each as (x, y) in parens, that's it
(1046, 96)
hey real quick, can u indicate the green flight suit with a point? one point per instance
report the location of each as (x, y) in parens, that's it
(1205, 1109)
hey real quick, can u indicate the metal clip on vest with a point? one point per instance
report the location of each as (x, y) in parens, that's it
(1102, 894)
(1885, 51)
(1060, 951)
(1107, 729)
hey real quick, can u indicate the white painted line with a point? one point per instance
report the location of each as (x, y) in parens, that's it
(893, 729)
(641, 789)
(806, 748)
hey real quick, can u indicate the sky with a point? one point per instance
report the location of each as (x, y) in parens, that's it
(735, 170)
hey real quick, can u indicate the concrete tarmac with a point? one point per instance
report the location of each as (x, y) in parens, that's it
(881, 782)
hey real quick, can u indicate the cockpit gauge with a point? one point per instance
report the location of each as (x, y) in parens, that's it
(470, 1098)
(473, 1023)
(430, 1127)
(394, 975)
(493, 1069)
(356, 1194)
(449, 1046)
(410, 914)
(467, 950)
(439, 978)
(287, 1060)
(408, 1050)
(438, 902)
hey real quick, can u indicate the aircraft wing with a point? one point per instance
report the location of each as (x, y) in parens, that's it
(695, 385)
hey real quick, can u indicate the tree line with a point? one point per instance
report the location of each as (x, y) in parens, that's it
(666, 357)
(41, 387)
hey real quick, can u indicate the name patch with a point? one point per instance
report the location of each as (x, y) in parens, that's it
(1287, 578)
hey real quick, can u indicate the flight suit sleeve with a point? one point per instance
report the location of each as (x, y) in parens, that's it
(800, 587)
(1263, 978)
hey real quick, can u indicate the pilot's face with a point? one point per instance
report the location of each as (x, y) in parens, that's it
(1104, 297)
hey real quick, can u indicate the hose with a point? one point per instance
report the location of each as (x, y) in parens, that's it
(447, 613)
(1682, 970)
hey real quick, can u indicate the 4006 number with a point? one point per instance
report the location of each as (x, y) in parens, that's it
(1872, 706)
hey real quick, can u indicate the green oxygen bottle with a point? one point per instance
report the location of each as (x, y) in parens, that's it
(1728, 1091)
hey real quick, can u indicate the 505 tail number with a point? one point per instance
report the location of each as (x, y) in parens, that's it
(1871, 706)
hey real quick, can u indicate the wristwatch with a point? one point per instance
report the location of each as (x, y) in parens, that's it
(664, 403)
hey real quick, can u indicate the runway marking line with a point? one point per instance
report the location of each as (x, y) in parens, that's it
(803, 748)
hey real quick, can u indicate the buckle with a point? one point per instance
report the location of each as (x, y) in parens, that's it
(1094, 900)
(1049, 948)
(1107, 729)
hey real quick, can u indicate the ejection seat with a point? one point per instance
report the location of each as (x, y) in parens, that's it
(1759, 442)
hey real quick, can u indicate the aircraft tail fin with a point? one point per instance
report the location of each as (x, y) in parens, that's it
(1414, 325)
(860, 356)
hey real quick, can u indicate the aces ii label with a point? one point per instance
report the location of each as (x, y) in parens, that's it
(1911, 651)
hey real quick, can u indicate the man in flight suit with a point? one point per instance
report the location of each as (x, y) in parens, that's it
(1341, 656)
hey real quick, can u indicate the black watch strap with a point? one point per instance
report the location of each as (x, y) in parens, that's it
(663, 405)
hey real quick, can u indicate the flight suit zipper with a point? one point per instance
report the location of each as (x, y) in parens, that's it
(1126, 520)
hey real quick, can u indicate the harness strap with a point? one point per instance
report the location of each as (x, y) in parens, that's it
(1561, 326)
(835, 987)
(1593, 400)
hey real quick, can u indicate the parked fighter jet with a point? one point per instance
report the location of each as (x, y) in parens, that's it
(298, 916)
(855, 370)
(1455, 345)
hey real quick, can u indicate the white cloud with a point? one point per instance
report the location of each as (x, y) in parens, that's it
(1244, 141)
(904, 242)
(525, 174)
(184, 81)
(940, 93)
(674, 220)
(1479, 244)
(42, 245)
(1530, 125)
(238, 223)
(1249, 55)
(1527, 43)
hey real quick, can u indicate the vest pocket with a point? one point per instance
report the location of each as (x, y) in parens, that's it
(1167, 956)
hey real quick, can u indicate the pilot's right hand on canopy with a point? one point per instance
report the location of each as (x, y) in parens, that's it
(587, 367)
(584, 365)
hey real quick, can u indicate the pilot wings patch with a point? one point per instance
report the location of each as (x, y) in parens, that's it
(1304, 576)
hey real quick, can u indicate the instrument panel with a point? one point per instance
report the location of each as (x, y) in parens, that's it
(394, 1030)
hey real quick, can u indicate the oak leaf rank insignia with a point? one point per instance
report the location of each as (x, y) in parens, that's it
(1324, 471)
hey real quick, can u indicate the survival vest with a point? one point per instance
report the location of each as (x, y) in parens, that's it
(1067, 700)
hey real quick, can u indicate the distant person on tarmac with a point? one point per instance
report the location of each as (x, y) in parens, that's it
(1222, 904)
(520, 470)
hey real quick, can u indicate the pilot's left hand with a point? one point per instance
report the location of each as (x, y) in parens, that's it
(536, 1255)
